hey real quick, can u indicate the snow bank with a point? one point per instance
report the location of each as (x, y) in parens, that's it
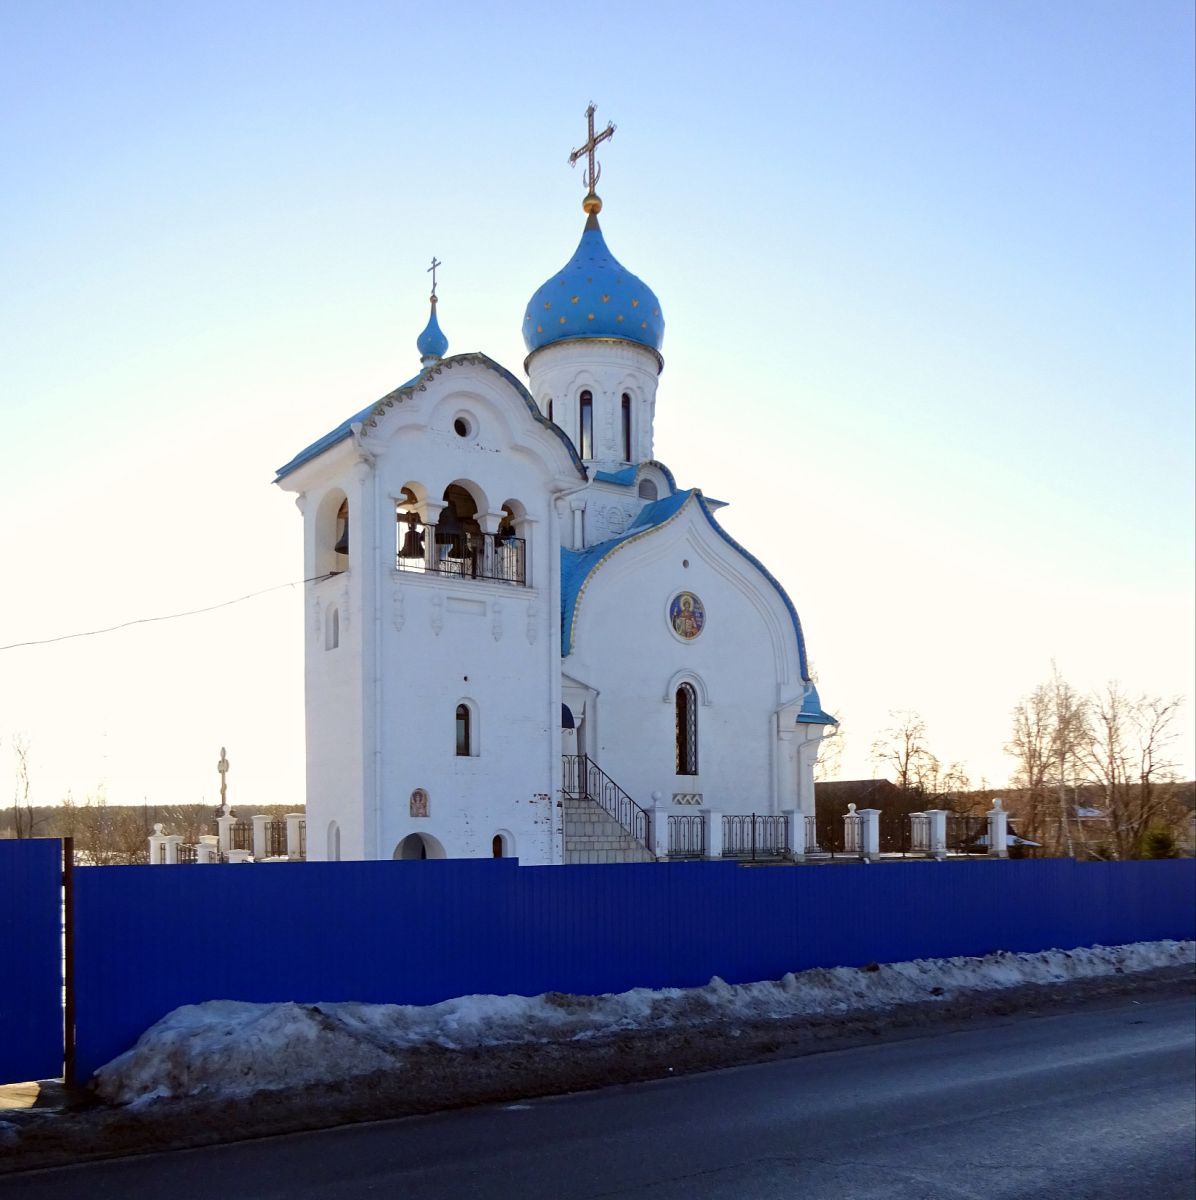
(227, 1047)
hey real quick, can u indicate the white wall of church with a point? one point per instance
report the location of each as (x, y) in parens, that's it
(382, 706)
(743, 665)
(334, 661)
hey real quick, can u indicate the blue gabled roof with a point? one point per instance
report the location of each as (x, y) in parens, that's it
(329, 440)
(627, 476)
(370, 414)
(577, 566)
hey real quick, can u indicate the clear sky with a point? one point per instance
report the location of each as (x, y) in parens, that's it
(927, 271)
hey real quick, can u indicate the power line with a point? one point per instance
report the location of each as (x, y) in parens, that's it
(194, 612)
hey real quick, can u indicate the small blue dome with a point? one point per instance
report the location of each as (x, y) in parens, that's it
(432, 343)
(593, 296)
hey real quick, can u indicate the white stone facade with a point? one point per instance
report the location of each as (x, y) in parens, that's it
(440, 683)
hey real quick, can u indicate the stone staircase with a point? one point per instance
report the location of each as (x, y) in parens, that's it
(593, 836)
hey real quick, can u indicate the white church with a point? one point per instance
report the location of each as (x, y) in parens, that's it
(522, 638)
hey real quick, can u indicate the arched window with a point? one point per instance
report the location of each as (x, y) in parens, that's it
(626, 411)
(585, 425)
(496, 849)
(332, 638)
(687, 730)
(464, 731)
(647, 489)
(334, 842)
(550, 408)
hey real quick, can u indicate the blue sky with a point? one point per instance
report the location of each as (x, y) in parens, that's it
(927, 271)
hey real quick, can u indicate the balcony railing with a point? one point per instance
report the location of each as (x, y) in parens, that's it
(493, 556)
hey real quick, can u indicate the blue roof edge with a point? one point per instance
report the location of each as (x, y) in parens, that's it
(627, 475)
(803, 662)
(811, 708)
(578, 565)
(370, 414)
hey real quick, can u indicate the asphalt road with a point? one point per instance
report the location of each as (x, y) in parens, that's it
(1097, 1102)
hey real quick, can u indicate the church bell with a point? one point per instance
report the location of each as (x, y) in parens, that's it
(451, 533)
(342, 542)
(413, 540)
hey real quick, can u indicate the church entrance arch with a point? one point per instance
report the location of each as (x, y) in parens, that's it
(417, 846)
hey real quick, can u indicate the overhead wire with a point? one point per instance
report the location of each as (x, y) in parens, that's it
(193, 612)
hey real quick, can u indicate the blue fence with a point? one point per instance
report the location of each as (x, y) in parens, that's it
(30, 959)
(151, 939)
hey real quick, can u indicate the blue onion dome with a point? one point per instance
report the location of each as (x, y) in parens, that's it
(432, 343)
(593, 296)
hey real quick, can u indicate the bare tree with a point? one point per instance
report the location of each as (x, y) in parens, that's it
(1069, 736)
(1127, 758)
(109, 836)
(22, 809)
(1029, 744)
(1049, 734)
(830, 754)
(902, 750)
(942, 785)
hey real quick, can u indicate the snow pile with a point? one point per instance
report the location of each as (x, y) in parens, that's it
(227, 1047)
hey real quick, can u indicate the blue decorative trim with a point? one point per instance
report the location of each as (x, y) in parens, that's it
(370, 415)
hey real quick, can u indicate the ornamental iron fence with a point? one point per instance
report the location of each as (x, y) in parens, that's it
(687, 835)
(755, 836)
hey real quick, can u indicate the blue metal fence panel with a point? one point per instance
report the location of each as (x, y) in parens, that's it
(30, 959)
(152, 939)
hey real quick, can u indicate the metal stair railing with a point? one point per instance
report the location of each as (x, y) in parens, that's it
(584, 779)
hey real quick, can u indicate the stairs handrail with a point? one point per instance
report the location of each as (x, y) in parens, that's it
(586, 780)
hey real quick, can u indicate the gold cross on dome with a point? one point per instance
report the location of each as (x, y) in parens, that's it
(594, 168)
(435, 263)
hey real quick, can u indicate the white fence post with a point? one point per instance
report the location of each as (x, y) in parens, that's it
(293, 847)
(714, 833)
(998, 831)
(869, 833)
(852, 827)
(660, 831)
(157, 843)
(239, 856)
(208, 849)
(260, 849)
(797, 832)
(225, 837)
(938, 832)
(172, 841)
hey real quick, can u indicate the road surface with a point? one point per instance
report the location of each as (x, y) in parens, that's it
(1092, 1103)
